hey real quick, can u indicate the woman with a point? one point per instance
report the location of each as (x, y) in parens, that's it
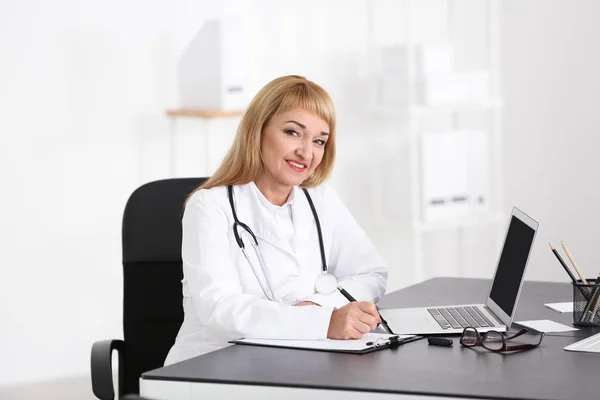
(285, 142)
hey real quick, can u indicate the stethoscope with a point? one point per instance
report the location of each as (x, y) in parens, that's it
(325, 283)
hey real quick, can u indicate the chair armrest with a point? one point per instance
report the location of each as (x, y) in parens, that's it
(102, 373)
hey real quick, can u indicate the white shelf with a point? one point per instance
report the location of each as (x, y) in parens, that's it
(490, 104)
(203, 113)
(463, 222)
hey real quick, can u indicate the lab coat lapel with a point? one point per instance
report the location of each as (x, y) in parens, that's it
(304, 223)
(253, 213)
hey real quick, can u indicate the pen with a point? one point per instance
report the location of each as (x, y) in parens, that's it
(562, 262)
(574, 263)
(437, 341)
(346, 294)
(352, 299)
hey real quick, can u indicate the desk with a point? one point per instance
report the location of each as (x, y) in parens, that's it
(413, 370)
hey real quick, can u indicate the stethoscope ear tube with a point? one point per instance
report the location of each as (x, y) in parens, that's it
(237, 224)
(272, 295)
(238, 238)
(245, 227)
(316, 216)
(325, 284)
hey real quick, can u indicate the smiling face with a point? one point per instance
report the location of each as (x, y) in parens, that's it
(292, 146)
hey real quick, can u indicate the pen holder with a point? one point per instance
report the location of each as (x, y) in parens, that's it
(586, 303)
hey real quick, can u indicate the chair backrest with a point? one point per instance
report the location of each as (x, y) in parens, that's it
(152, 273)
(135, 397)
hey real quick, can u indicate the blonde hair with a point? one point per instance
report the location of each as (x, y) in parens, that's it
(243, 162)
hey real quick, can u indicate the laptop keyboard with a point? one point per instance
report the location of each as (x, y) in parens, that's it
(459, 317)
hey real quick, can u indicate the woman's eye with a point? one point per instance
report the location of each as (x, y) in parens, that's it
(320, 142)
(291, 132)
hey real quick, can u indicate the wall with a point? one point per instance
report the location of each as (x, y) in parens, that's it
(83, 85)
(551, 141)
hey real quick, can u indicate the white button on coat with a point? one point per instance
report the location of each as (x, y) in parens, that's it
(222, 299)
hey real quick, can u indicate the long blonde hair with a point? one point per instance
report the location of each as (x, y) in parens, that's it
(243, 162)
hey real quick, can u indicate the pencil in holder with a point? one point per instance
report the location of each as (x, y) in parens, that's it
(586, 303)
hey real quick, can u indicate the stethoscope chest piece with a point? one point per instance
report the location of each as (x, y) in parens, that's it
(326, 284)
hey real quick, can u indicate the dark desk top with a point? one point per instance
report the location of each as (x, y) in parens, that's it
(547, 372)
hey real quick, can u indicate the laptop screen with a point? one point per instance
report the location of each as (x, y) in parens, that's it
(511, 265)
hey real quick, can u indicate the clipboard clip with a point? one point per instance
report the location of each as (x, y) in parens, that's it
(393, 342)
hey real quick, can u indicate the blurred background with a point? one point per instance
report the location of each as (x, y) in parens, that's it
(450, 112)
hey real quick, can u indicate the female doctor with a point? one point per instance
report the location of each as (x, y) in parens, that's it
(266, 246)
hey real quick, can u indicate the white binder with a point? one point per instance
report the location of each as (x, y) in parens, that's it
(213, 69)
(455, 174)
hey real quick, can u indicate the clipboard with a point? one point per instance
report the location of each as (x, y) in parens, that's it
(588, 345)
(370, 342)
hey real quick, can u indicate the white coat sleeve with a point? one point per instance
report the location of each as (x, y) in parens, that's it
(353, 258)
(212, 281)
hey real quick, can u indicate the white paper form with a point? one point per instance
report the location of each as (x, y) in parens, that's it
(561, 307)
(547, 326)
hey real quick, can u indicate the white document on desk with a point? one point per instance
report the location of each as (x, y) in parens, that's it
(564, 307)
(588, 345)
(546, 326)
(369, 342)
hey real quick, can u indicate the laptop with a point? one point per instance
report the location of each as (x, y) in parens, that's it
(499, 309)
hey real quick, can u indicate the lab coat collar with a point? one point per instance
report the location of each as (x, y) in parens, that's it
(272, 208)
(259, 217)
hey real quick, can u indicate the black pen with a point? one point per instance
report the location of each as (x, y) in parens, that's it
(562, 262)
(352, 299)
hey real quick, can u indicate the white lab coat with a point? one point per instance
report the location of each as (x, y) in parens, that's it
(222, 299)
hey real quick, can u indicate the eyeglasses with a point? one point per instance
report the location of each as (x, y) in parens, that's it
(494, 340)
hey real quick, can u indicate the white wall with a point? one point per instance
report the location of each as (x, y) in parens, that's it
(551, 122)
(83, 84)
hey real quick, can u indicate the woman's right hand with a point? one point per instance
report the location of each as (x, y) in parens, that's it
(353, 320)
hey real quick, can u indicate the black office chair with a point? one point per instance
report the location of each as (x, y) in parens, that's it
(135, 397)
(152, 273)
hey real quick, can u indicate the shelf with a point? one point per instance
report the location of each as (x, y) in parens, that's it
(203, 113)
(462, 222)
(490, 104)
